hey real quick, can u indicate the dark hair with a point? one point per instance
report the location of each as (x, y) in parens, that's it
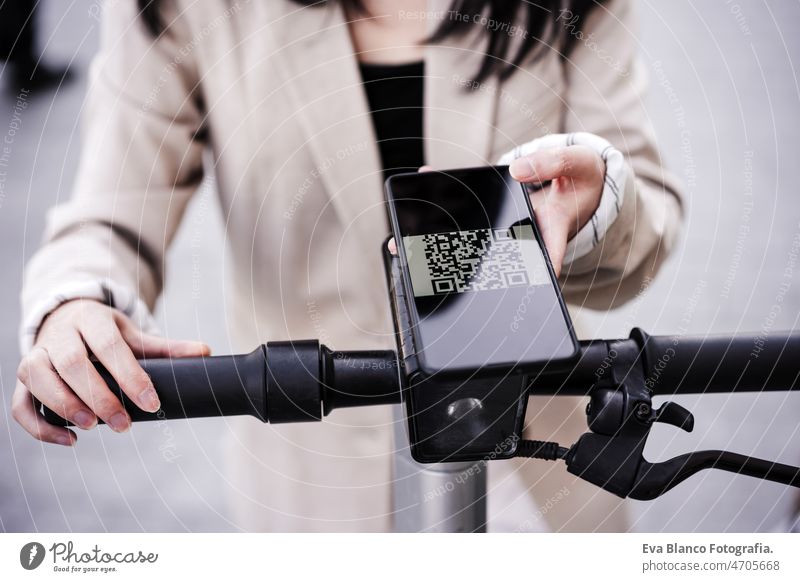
(534, 20)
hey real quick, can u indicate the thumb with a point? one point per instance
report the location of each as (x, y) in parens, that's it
(153, 346)
(555, 232)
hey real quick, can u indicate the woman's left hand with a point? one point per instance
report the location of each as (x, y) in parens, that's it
(576, 174)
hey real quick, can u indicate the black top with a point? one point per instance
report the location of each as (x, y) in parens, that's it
(394, 93)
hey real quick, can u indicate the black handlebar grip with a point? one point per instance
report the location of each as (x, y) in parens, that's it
(197, 387)
(743, 363)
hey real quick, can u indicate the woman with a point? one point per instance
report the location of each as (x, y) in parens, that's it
(305, 109)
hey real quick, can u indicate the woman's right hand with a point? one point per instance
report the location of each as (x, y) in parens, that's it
(58, 372)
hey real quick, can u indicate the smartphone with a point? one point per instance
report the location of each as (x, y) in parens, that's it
(480, 289)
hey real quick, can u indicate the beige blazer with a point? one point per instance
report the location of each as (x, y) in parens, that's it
(272, 92)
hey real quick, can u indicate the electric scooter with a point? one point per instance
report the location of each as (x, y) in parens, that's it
(454, 427)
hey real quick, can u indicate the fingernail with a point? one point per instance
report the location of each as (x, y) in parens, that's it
(119, 422)
(149, 400)
(520, 169)
(64, 440)
(84, 419)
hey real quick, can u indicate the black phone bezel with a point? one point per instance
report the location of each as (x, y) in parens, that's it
(492, 369)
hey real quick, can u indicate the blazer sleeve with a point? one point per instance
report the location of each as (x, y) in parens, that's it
(141, 162)
(606, 85)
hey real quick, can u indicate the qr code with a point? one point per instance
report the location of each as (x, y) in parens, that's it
(474, 260)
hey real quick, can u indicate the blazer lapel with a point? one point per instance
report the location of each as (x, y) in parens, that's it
(459, 123)
(321, 72)
(314, 47)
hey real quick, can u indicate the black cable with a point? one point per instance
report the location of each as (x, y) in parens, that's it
(541, 450)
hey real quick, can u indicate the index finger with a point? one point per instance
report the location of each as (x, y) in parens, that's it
(108, 345)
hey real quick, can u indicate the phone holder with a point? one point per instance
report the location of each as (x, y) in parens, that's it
(465, 419)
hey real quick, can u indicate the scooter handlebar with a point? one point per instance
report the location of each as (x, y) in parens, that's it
(278, 382)
(299, 381)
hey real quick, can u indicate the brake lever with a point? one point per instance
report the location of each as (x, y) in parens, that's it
(620, 416)
(655, 479)
(617, 464)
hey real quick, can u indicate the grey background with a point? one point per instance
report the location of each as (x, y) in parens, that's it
(724, 90)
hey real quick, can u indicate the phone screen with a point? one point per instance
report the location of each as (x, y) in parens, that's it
(482, 293)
